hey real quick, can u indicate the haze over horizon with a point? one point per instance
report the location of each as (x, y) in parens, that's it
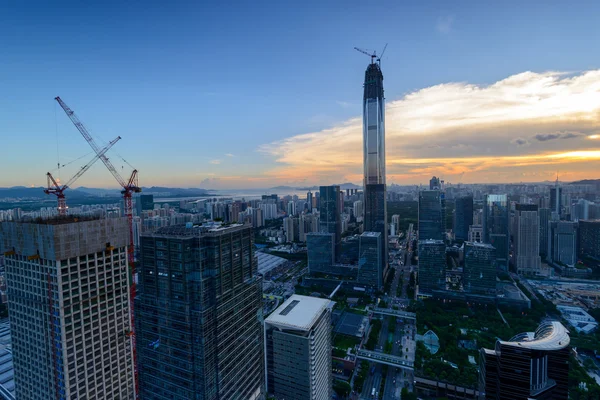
(271, 94)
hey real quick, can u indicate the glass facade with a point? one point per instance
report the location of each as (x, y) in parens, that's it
(463, 217)
(479, 272)
(432, 265)
(374, 126)
(198, 315)
(431, 215)
(495, 226)
(370, 256)
(330, 219)
(320, 249)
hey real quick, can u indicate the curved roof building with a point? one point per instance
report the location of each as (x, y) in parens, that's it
(531, 365)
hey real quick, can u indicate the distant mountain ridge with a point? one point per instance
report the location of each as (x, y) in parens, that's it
(80, 192)
(347, 185)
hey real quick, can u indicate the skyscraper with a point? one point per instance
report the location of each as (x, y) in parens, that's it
(562, 242)
(527, 239)
(434, 184)
(432, 266)
(198, 314)
(463, 217)
(68, 302)
(330, 219)
(530, 366)
(495, 226)
(309, 200)
(375, 191)
(545, 217)
(431, 219)
(589, 239)
(479, 272)
(298, 349)
(555, 199)
(320, 248)
(370, 264)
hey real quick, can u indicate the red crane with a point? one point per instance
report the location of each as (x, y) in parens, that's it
(56, 189)
(129, 187)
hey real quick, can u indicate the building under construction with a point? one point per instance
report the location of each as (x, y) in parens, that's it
(69, 308)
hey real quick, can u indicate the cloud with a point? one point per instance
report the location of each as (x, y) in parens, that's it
(460, 127)
(444, 24)
(557, 135)
(215, 161)
(520, 141)
(229, 155)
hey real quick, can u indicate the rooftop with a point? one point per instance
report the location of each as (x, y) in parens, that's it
(550, 335)
(298, 312)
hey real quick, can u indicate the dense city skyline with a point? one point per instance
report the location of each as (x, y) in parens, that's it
(455, 107)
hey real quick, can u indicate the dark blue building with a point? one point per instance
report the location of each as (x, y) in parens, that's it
(198, 315)
(463, 217)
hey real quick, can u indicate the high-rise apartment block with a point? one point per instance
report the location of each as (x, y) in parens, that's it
(330, 218)
(479, 272)
(68, 301)
(463, 217)
(358, 210)
(432, 266)
(431, 218)
(374, 187)
(530, 366)
(527, 239)
(198, 314)
(495, 226)
(298, 349)
(370, 263)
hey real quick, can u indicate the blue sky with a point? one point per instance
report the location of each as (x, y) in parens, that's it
(198, 92)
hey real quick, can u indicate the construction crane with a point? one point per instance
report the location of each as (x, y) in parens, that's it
(56, 189)
(129, 187)
(373, 55)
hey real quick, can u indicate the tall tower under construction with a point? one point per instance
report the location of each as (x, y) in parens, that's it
(69, 308)
(375, 192)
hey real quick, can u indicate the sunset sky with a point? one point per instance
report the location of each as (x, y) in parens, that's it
(259, 94)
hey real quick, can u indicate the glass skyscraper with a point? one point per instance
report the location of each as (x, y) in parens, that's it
(431, 215)
(375, 192)
(463, 217)
(199, 314)
(330, 218)
(495, 226)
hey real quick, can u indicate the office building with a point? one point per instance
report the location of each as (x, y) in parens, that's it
(545, 215)
(562, 242)
(144, 202)
(495, 226)
(431, 219)
(307, 223)
(589, 239)
(330, 218)
(68, 302)
(320, 247)
(479, 272)
(198, 314)
(527, 239)
(463, 217)
(530, 366)
(432, 266)
(556, 199)
(475, 233)
(434, 184)
(298, 349)
(374, 187)
(370, 263)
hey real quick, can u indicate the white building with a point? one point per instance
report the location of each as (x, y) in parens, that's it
(578, 318)
(298, 349)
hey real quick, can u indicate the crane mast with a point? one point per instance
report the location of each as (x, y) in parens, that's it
(129, 187)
